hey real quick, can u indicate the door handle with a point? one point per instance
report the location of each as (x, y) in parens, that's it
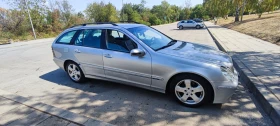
(77, 51)
(107, 56)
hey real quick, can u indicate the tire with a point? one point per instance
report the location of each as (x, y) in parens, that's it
(197, 27)
(191, 90)
(181, 27)
(74, 72)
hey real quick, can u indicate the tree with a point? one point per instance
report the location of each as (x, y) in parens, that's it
(198, 12)
(185, 12)
(101, 12)
(262, 6)
(110, 13)
(11, 20)
(66, 11)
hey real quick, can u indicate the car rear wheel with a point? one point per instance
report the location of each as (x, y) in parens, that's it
(75, 72)
(197, 27)
(191, 90)
(181, 27)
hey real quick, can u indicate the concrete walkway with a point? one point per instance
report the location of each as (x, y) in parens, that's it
(17, 110)
(258, 63)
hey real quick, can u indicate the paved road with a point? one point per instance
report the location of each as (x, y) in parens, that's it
(28, 70)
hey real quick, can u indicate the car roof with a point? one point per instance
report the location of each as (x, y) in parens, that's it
(187, 20)
(122, 25)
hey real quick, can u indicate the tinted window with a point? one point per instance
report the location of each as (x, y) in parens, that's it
(118, 41)
(66, 38)
(182, 21)
(89, 38)
(79, 40)
(189, 22)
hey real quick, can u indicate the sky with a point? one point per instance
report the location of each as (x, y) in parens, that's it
(80, 5)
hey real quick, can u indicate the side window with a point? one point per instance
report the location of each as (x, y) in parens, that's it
(89, 38)
(118, 41)
(117, 34)
(92, 38)
(189, 22)
(79, 40)
(182, 21)
(66, 38)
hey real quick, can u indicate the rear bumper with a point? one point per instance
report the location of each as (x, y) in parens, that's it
(59, 63)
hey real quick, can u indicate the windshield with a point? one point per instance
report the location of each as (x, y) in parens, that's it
(150, 37)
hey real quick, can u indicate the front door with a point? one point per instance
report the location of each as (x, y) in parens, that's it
(87, 50)
(120, 65)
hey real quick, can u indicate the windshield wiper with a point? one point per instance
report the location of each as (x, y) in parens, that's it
(167, 45)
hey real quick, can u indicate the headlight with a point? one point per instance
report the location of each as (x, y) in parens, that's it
(228, 73)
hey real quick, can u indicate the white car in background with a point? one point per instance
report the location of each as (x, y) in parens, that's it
(189, 24)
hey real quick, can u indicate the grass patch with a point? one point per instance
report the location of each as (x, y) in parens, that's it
(6, 36)
(266, 28)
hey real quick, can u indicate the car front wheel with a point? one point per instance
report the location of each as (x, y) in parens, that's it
(191, 90)
(75, 72)
(197, 27)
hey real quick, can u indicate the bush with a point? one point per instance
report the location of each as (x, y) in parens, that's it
(206, 18)
(153, 20)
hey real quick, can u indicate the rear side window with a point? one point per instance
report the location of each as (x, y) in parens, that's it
(89, 38)
(182, 21)
(66, 38)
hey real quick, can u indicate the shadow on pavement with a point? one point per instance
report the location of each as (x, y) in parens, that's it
(126, 105)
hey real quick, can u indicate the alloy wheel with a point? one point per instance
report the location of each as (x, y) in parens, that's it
(74, 72)
(189, 92)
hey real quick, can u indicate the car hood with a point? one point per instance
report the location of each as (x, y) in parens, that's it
(198, 52)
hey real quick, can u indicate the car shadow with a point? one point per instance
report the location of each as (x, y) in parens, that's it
(127, 105)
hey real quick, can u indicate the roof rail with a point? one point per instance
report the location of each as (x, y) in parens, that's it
(129, 22)
(85, 24)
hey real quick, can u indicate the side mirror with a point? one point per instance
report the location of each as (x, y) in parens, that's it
(137, 52)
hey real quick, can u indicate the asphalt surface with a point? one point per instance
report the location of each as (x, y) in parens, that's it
(27, 69)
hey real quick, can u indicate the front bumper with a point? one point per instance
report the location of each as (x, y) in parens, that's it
(224, 90)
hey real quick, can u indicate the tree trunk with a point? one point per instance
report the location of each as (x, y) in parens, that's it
(242, 11)
(236, 15)
(260, 15)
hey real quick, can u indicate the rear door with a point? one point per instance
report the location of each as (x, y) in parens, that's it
(87, 50)
(61, 48)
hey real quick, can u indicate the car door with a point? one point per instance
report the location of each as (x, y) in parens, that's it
(188, 24)
(192, 24)
(120, 65)
(183, 23)
(88, 52)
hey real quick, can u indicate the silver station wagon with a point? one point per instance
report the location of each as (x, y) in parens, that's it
(138, 55)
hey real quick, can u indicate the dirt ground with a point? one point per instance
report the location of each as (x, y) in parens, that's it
(266, 28)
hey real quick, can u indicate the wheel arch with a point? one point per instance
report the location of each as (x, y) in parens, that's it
(189, 73)
(66, 62)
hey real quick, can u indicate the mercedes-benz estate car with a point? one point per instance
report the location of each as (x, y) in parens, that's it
(138, 55)
(189, 24)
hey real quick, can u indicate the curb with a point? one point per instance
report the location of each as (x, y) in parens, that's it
(51, 110)
(269, 103)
